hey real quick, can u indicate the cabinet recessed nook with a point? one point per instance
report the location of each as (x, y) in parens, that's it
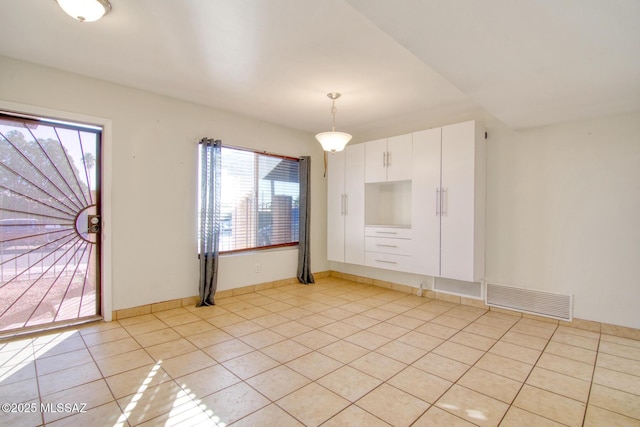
(388, 204)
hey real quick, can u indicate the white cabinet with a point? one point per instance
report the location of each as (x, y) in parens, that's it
(335, 205)
(388, 159)
(449, 202)
(425, 218)
(376, 161)
(388, 245)
(345, 205)
(388, 248)
(462, 210)
(412, 203)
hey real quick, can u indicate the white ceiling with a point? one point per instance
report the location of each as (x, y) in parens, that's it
(527, 62)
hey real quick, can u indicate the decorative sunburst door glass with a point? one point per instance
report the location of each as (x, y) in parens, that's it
(49, 223)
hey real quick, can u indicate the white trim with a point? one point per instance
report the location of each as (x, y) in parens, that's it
(107, 167)
(460, 293)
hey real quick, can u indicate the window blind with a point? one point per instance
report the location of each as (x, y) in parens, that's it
(260, 200)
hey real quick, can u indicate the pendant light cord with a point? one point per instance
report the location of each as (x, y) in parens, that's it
(333, 113)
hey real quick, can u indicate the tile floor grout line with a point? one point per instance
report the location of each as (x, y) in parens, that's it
(593, 373)
(458, 379)
(311, 380)
(473, 365)
(527, 377)
(487, 351)
(102, 373)
(428, 352)
(344, 338)
(376, 319)
(342, 364)
(375, 388)
(536, 364)
(35, 368)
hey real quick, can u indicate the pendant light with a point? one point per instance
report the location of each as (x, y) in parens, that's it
(333, 141)
(85, 10)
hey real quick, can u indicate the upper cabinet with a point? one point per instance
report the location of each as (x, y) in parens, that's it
(375, 160)
(388, 159)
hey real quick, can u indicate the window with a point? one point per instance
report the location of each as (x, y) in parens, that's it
(260, 195)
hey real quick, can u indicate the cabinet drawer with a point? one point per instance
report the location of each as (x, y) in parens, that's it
(387, 245)
(388, 261)
(395, 232)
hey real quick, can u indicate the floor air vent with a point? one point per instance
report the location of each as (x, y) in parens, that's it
(534, 302)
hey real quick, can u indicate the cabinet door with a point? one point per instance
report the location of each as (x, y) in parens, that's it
(375, 161)
(354, 218)
(458, 202)
(399, 157)
(335, 206)
(425, 215)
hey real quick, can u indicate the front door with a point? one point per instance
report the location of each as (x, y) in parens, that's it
(49, 223)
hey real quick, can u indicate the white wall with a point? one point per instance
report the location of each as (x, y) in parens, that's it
(563, 202)
(154, 168)
(564, 214)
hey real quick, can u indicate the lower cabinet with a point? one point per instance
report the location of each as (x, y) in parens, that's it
(388, 248)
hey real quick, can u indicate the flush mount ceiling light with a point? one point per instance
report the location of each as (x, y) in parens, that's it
(333, 141)
(85, 10)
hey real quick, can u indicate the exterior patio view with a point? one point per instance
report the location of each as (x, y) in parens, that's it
(48, 195)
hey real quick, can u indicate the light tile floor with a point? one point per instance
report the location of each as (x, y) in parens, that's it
(336, 353)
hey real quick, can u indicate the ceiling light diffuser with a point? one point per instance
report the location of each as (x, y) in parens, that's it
(85, 10)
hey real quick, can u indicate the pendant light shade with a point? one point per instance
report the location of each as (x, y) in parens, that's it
(333, 141)
(85, 10)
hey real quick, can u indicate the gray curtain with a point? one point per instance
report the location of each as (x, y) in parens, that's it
(210, 158)
(304, 251)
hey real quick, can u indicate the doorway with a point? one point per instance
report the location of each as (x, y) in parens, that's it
(50, 223)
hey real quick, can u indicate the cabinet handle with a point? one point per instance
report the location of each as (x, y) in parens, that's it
(384, 158)
(385, 261)
(388, 158)
(387, 232)
(386, 246)
(437, 201)
(445, 202)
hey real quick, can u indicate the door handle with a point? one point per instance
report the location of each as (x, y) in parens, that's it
(94, 223)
